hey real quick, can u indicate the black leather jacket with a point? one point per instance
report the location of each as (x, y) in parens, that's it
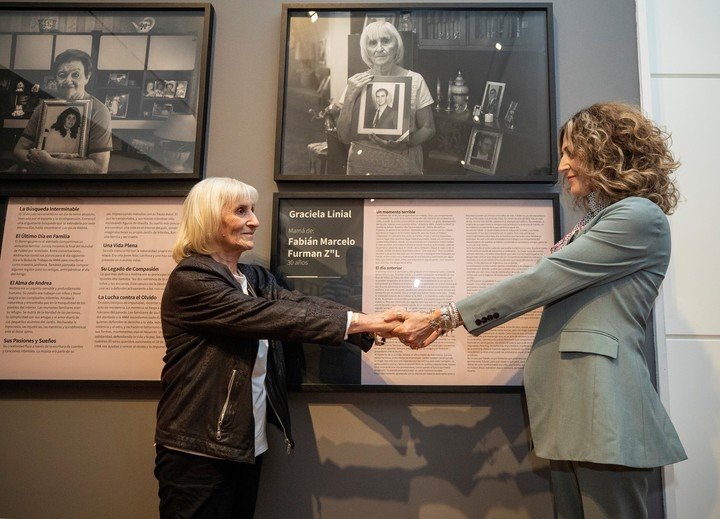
(211, 331)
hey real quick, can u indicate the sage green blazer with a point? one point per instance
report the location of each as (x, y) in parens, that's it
(588, 388)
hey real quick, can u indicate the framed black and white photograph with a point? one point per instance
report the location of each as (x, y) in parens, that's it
(384, 108)
(492, 100)
(63, 128)
(127, 60)
(170, 88)
(380, 16)
(461, 62)
(362, 249)
(162, 110)
(117, 103)
(483, 151)
(181, 90)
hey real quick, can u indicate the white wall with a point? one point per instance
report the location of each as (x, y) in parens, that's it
(681, 83)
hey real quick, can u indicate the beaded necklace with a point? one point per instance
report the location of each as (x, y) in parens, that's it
(594, 207)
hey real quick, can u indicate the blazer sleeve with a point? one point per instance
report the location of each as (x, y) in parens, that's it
(628, 236)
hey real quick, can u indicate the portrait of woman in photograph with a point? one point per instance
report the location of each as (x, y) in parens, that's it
(382, 50)
(62, 136)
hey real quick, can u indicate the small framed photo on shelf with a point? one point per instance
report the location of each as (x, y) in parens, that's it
(483, 151)
(181, 90)
(170, 88)
(380, 17)
(117, 79)
(117, 104)
(491, 101)
(162, 110)
(63, 128)
(159, 89)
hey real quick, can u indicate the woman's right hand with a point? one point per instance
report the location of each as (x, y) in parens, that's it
(356, 83)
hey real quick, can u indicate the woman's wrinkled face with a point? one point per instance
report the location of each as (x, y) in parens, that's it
(573, 169)
(71, 80)
(382, 49)
(237, 227)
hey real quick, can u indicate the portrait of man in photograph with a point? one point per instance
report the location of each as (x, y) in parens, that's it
(492, 98)
(384, 116)
(484, 149)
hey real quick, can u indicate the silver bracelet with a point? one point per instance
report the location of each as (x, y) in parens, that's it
(445, 323)
(454, 315)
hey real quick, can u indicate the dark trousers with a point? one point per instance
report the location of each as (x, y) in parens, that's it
(595, 491)
(198, 487)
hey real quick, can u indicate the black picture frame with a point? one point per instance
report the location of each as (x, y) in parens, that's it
(457, 50)
(318, 248)
(130, 45)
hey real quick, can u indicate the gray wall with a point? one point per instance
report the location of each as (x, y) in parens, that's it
(87, 452)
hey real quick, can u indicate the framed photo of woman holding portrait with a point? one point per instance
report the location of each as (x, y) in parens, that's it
(331, 98)
(63, 129)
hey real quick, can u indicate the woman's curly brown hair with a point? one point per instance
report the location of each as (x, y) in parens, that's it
(624, 154)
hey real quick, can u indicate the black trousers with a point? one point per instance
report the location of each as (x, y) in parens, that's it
(599, 491)
(198, 487)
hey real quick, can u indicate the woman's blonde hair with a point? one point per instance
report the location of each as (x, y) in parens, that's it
(624, 154)
(376, 30)
(202, 214)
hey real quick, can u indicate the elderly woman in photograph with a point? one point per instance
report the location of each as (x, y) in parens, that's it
(224, 372)
(593, 410)
(381, 48)
(72, 70)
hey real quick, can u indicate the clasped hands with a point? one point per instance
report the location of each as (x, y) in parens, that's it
(413, 329)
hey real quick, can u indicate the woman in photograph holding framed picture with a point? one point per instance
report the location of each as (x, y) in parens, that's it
(381, 48)
(593, 410)
(72, 69)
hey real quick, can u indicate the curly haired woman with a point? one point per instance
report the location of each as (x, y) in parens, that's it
(593, 410)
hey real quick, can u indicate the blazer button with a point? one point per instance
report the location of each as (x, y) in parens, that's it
(496, 315)
(483, 320)
(478, 322)
(490, 317)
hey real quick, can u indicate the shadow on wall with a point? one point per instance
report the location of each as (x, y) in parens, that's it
(394, 455)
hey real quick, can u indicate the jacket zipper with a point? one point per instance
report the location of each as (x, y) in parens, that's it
(218, 435)
(288, 445)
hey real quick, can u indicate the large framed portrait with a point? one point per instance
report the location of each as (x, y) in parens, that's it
(370, 252)
(467, 67)
(63, 130)
(120, 58)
